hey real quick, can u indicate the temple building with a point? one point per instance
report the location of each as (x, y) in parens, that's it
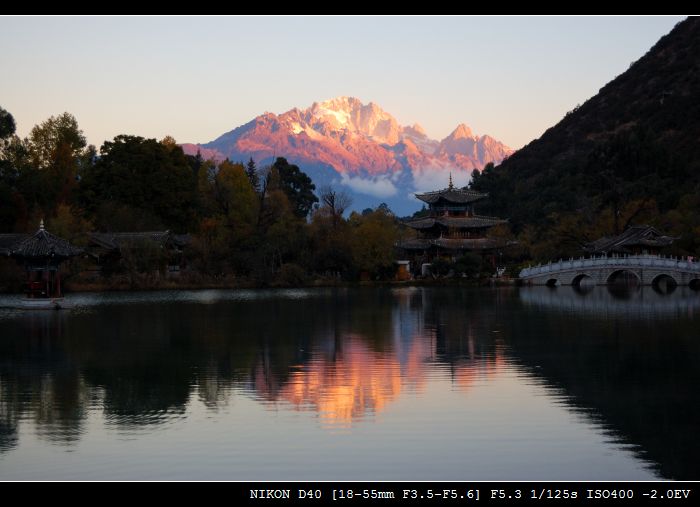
(452, 228)
(636, 240)
(159, 251)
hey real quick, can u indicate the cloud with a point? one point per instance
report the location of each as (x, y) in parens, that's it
(437, 177)
(381, 186)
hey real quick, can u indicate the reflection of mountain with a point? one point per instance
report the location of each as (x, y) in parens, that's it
(634, 373)
(346, 379)
(355, 382)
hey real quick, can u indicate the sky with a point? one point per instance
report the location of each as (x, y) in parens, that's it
(195, 78)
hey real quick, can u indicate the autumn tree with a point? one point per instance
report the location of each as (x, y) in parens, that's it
(57, 148)
(373, 240)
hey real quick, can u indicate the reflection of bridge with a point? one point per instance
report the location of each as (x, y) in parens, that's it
(644, 269)
(606, 302)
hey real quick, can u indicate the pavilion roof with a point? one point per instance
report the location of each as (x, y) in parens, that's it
(9, 241)
(117, 240)
(637, 235)
(43, 244)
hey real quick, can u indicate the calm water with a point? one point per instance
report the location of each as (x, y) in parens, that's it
(410, 383)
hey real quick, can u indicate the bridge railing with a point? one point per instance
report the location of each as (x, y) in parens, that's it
(629, 261)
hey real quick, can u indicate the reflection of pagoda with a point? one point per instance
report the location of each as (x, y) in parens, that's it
(451, 228)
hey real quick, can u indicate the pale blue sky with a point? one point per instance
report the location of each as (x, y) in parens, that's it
(196, 78)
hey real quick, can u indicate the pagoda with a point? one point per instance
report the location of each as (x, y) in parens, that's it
(452, 228)
(42, 254)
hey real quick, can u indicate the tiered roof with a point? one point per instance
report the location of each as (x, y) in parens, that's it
(472, 222)
(451, 194)
(455, 243)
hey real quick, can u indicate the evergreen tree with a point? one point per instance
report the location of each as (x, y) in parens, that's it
(252, 173)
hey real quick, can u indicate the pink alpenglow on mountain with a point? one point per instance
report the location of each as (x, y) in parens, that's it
(344, 142)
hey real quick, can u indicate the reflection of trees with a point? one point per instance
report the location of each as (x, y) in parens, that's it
(345, 354)
(638, 375)
(39, 381)
(9, 416)
(466, 330)
(349, 354)
(141, 362)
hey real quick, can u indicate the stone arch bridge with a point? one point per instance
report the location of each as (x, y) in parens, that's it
(640, 269)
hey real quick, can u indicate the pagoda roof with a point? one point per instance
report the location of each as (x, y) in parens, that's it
(117, 240)
(476, 221)
(43, 244)
(9, 241)
(454, 243)
(451, 194)
(637, 235)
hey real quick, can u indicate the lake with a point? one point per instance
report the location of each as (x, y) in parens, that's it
(405, 383)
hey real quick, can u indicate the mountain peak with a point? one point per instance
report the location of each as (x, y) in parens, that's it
(359, 144)
(418, 129)
(342, 103)
(461, 132)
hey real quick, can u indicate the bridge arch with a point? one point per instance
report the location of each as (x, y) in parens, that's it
(694, 284)
(552, 282)
(582, 279)
(624, 277)
(664, 283)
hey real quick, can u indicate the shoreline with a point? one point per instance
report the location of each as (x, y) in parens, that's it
(97, 288)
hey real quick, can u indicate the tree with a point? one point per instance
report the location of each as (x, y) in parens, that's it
(236, 199)
(8, 173)
(373, 237)
(334, 203)
(296, 185)
(169, 142)
(56, 148)
(252, 173)
(146, 177)
(7, 124)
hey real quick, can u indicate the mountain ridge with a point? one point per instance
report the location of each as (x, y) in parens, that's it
(629, 154)
(343, 141)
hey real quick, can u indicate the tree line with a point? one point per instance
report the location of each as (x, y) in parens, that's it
(266, 224)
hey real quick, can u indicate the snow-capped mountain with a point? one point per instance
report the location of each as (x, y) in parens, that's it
(360, 147)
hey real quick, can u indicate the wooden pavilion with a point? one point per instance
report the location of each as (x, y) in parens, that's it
(42, 254)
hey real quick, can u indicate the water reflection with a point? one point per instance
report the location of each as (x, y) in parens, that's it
(642, 343)
(639, 302)
(626, 365)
